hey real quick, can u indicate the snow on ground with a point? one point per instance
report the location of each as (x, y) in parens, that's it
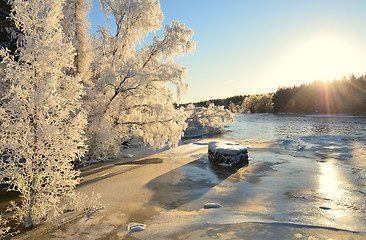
(166, 192)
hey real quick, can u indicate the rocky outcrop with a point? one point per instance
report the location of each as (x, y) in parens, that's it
(227, 154)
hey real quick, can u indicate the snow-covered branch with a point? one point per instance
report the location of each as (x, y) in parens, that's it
(205, 121)
(75, 25)
(126, 76)
(63, 91)
(42, 121)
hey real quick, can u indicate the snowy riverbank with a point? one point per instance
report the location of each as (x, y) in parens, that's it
(167, 191)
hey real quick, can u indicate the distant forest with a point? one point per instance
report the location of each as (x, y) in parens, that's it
(346, 96)
(236, 100)
(340, 96)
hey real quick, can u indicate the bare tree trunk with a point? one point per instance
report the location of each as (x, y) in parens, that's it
(28, 219)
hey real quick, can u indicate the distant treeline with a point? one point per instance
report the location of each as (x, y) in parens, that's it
(346, 96)
(236, 100)
(340, 96)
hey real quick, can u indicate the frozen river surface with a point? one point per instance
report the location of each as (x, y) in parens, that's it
(308, 181)
(317, 173)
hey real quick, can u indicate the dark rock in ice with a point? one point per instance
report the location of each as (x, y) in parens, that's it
(136, 227)
(321, 160)
(325, 208)
(211, 205)
(228, 154)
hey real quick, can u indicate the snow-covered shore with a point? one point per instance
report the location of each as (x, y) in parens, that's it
(167, 191)
(127, 191)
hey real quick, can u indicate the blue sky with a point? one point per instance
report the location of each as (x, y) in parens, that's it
(250, 47)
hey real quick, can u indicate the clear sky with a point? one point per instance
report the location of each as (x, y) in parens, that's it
(255, 46)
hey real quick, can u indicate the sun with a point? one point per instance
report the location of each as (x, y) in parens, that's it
(321, 58)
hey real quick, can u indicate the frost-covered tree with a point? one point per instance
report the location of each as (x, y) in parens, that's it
(76, 25)
(258, 104)
(235, 108)
(205, 121)
(131, 97)
(41, 120)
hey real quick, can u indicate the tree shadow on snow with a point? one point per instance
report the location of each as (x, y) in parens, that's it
(187, 183)
(132, 165)
(201, 144)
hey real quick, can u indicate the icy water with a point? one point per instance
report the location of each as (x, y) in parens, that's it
(309, 181)
(285, 127)
(314, 175)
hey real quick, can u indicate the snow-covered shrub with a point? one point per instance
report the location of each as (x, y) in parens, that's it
(41, 120)
(205, 121)
(4, 228)
(81, 202)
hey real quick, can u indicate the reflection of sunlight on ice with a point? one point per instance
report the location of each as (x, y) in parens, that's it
(331, 186)
(329, 182)
(223, 189)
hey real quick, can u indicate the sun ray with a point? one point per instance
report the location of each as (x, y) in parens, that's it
(327, 101)
(357, 87)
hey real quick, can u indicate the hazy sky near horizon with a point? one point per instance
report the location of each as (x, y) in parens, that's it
(250, 47)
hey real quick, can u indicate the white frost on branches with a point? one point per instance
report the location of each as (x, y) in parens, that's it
(134, 20)
(205, 121)
(75, 25)
(131, 98)
(42, 123)
(62, 91)
(3, 226)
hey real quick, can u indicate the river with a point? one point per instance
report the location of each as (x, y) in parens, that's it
(317, 173)
(306, 179)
